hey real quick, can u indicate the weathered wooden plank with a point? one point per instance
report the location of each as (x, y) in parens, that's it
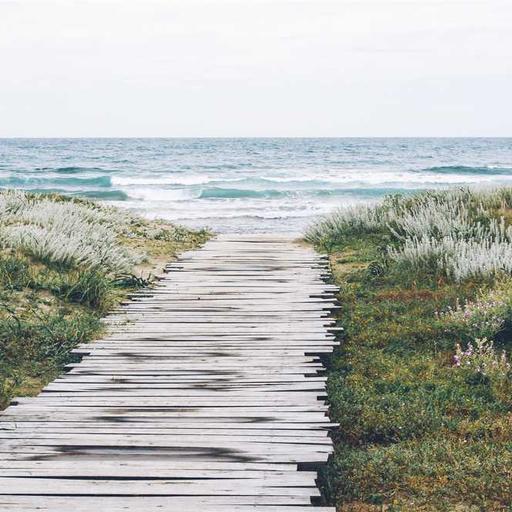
(136, 471)
(69, 487)
(158, 504)
(200, 381)
(33, 429)
(210, 402)
(188, 349)
(162, 440)
(236, 393)
(269, 428)
(147, 466)
(200, 454)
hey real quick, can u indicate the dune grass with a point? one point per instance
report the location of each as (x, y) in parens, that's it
(421, 385)
(64, 263)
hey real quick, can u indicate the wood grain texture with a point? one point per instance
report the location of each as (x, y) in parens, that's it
(206, 394)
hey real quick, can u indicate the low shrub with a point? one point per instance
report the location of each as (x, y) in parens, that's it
(90, 287)
(14, 272)
(69, 233)
(481, 360)
(31, 338)
(484, 317)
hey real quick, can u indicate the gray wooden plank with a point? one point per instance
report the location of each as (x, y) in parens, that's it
(158, 504)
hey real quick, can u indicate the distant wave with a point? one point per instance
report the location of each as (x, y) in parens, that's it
(73, 170)
(240, 214)
(160, 180)
(191, 180)
(297, 179)
(225, 166)
(158, 194)
(356, 179)
(464, 169)
(24, 181)
(206, 187)
(234, 193)
(184, 194)
(112, 195)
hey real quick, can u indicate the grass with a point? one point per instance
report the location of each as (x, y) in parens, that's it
(418, 430)
(64, 263)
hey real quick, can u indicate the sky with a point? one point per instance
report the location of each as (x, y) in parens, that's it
(228, 68)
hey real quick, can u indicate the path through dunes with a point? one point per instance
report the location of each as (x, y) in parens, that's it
(206, 395)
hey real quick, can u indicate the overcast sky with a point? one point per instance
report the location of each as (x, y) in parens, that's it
(255, 68)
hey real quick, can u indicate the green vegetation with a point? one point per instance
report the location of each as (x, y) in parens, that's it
(64, 263)
(421, 384)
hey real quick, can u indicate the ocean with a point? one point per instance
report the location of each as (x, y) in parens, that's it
(249, 185)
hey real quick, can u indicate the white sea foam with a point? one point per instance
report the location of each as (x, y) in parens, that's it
(166, 195)
(191, 179)
(377, 177)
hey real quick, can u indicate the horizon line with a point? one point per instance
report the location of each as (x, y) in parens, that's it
(14, 137)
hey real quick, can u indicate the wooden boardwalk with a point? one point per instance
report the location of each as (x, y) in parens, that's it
(206, 395)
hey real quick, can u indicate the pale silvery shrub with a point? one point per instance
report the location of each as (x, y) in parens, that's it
(424, 253)
(89, 245)
(445, 233)
(450, 216)
(11, 202)
(457, 258)
(435, 213)
(432, 218)
(65, 232)
(451, 232)
(475, 258)
(347, 220)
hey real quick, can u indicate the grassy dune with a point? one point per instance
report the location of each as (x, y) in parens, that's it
(422, 383)
(63, 264)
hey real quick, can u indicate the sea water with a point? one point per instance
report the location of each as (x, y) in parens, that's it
(249, 185)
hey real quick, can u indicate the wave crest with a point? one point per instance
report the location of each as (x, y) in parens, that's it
(466, 169)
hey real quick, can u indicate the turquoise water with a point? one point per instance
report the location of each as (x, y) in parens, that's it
(245, 185)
